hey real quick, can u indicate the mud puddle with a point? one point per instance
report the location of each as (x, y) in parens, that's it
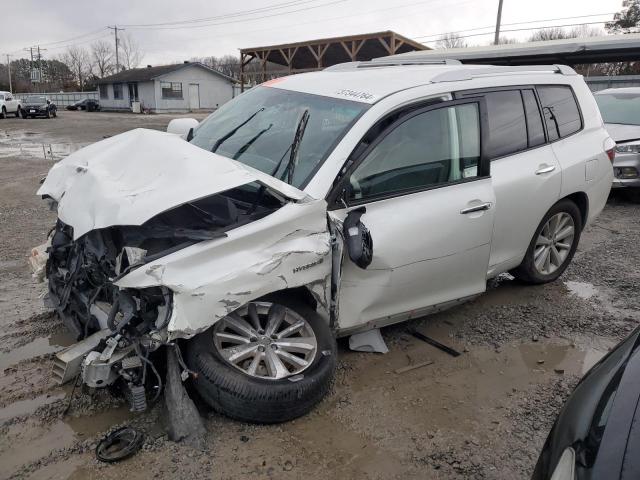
(40, 346)
(583, 290)
(34, 145)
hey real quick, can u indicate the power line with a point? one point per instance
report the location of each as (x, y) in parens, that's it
(243, 20)
(534, 28)
(516, 23)
(227, 15)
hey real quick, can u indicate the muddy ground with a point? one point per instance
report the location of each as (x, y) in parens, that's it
(482, 415)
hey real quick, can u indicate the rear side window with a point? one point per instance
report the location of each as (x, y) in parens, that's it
(535, 128)
(507, 125)
(560, 110)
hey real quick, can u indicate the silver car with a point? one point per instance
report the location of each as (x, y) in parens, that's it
(620, 109)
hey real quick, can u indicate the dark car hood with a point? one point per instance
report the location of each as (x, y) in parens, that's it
(583, 418)
(34, 105)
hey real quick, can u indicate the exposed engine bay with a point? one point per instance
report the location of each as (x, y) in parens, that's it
(119, 328)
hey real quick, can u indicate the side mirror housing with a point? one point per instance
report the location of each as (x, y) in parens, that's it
(182, 126)
(358, 239)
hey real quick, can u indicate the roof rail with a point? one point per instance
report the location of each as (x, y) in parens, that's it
(470, 73)
(389, 62)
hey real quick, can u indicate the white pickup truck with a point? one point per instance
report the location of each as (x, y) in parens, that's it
(9, 104)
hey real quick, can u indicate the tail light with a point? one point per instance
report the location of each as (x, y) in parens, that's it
(611, 153)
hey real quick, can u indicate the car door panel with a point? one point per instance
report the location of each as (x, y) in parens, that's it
(425, 252)
(429, 246)
(526, 188)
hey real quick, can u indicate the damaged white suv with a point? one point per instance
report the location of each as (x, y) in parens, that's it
(311, 207)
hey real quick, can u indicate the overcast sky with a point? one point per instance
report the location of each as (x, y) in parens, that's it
(280, 21)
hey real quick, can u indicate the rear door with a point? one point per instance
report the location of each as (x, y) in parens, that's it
(429, 208)
(525, 173)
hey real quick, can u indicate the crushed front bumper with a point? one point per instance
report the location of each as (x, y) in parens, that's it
(626, 170)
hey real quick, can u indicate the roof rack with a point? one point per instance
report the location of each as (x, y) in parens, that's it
(470, 73)
(389, 62)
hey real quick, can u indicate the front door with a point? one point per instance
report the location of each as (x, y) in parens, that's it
(194, 96)
(429, 205)
(133, 92)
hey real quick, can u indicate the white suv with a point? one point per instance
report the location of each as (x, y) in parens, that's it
(9, 104)
(316, 206)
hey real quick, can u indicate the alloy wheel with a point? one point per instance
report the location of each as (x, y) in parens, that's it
(266, 340)
(554, 243)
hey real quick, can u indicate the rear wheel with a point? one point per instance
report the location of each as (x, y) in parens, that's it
(48, 114)
(54, 113)
(553, 245)
(269, 362)
(18, 111)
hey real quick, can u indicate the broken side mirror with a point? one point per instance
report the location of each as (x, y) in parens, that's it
(358, 238)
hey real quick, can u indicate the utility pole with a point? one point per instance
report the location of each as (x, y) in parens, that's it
(40, 66)
(9, 68)
(115, 33)
(497, 38)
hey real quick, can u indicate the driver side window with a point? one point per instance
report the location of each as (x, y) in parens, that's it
(429, 149)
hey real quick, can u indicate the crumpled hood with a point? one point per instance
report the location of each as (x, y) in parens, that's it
(622, 133)
(129, 178)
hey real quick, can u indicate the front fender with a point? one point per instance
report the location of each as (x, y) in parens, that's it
(289, 248)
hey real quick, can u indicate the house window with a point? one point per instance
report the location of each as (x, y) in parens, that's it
(117, 91)
(171, 90)
(104, 93)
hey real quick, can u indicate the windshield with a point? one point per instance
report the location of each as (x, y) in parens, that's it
(621, 108)
(258, 128)
(34, 99)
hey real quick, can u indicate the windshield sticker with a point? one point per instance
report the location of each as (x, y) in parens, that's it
(355, 95)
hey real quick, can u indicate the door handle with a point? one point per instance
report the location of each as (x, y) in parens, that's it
(545, 169)
(476, 208)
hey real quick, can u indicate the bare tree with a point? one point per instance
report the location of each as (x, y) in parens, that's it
(584, 31)
(544, 34)
(450, 40)
(507, 41)
(130, 52)
(102, 58)
(79, 62)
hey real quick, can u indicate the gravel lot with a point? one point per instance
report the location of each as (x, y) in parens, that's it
(482, 415)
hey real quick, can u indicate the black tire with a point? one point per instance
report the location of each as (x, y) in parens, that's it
(527, 271)
(54, 114)
(24, 114)
(3, 113)
(48, 114)
(18, 112)
(237, 395)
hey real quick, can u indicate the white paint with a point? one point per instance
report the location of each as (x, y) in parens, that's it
(213, 278)
(131, 177)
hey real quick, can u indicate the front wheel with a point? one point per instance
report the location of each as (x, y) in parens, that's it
(54, 113)
(553, 245)
(3, 113)
(269, 362)
(18, 112)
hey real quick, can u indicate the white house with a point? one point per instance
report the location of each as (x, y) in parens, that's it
(168, 88)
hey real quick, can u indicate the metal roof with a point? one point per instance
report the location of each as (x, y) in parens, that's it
(316, 54)
(570, 51)
(149, 73)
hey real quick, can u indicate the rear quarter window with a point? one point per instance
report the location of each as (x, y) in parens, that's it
(507, 124)
(560, 110)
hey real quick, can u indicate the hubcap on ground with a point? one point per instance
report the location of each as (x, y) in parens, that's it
(266, 340)
(554, 243)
